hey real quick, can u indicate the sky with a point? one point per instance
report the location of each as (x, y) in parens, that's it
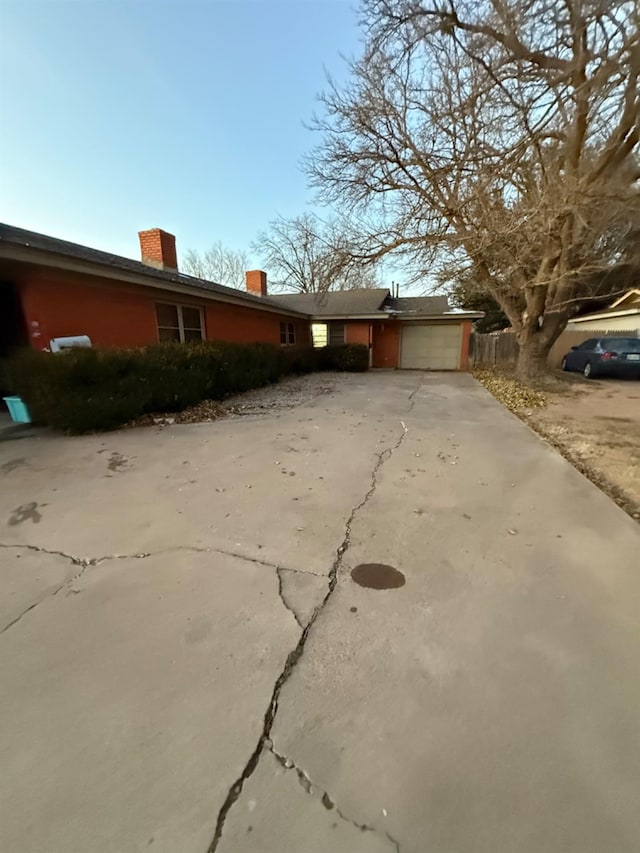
(122, 115)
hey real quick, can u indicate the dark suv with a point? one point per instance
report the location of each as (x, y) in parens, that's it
(605, 357)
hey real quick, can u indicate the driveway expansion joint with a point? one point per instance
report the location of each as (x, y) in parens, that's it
(325, 798)
(296, 653)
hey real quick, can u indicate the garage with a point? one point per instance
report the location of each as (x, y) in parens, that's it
(431, 346)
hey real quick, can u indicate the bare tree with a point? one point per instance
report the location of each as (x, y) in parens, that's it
(309, 256)
(218, 264)
(497, 139)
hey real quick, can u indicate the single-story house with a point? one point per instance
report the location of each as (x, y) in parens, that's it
(623, 315)
(417, 332)
(52, 289)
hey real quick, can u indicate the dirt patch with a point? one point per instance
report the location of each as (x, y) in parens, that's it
(286, 394)
(597, 426)
(594, 424)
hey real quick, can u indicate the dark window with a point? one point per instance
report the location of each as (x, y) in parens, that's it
(287, 333)
(622, 344)
(192, 335)
(336, 334)
(590, 344)
(179, 323)
(166, 336)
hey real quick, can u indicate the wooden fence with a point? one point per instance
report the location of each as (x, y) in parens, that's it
(502, 347)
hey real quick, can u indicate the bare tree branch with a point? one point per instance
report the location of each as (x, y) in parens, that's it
(218, 264)
(499, 136)
(307, 255)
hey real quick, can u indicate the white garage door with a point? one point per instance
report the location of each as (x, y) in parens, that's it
(431, 346)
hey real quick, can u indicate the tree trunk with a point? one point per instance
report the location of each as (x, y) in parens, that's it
(532, 357)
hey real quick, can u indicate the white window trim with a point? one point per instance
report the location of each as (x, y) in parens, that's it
(179, 307)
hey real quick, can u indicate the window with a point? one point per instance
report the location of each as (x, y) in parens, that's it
(336, 334)
(287, 333)
(319, 334)
(180, 323)
(622, 344)
(588, 345)
(323, 334)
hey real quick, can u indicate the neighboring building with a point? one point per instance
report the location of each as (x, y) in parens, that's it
(622, 316)
(50, 288)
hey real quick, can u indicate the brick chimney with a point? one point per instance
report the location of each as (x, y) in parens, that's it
(256, 282)
(158, 249)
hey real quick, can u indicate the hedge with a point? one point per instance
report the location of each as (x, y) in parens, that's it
(352, 358)
(88, 390)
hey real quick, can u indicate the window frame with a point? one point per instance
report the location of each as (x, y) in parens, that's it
(331, 327)
(181, 326)
(288, 333)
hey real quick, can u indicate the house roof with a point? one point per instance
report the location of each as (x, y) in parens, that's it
(627, 305)
(631, 299)
(365, 302)
(25, 246)
(20, 244)
(420, 304)
(347, 302)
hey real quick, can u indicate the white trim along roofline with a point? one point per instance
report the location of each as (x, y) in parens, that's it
(605, 315)
(399, 315)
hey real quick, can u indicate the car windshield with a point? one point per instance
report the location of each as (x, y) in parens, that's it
(622, 344)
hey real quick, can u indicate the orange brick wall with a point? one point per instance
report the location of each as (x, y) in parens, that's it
(114, 314)
(226, 322)
(357, 332)
(386, 343)
(467, 326)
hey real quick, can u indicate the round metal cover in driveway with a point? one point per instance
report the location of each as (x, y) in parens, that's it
(377, 576)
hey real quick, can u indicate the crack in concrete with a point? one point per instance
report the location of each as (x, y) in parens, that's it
(326, 799)
(301, 572)
(31, 607)
(283, 599)
(87, 562)
(84, 564)
(296, 653)
(77, 561)
(94, 561)
(259, 562)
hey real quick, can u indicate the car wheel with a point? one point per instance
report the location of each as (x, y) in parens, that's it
(588, 371)
(564, 364)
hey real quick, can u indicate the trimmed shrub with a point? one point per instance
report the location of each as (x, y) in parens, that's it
(353, 358)
(88, 390)
(79, 391)
(300, 360)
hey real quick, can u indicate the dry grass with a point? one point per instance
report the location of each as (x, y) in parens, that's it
(511, 392)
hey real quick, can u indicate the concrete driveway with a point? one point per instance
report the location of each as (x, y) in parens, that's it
(188, 666)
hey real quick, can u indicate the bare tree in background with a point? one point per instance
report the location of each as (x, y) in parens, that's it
(218, 264)
(308, 256)
(497, 139)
